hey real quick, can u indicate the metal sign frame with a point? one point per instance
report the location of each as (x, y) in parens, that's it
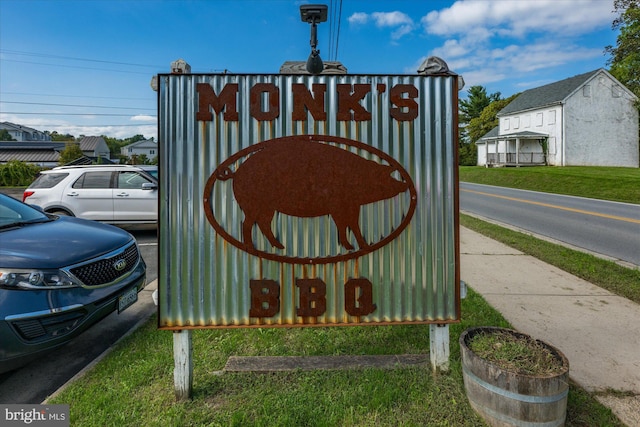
(299, 200)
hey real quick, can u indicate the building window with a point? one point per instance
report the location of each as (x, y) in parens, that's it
(506, 124)
(586, 91)
(152, 152)
(539, 119)
(516, 122)
(526, 121)
(552, 117)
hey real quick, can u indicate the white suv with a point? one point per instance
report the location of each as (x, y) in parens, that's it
(116, 194)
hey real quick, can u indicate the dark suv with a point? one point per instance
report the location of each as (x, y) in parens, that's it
(58, 276)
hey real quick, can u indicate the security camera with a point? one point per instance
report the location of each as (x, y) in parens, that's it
(311, 13)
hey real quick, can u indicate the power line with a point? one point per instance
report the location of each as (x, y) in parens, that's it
(88, 126)
(331, 28)
(48, 55)
(71, 96)
(75, 66)
(71, 114)
(76, 105)
(338, 33)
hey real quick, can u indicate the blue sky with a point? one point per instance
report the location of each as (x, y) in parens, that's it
(84, 67)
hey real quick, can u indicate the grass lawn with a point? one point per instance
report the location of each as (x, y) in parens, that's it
(607, 183)
(133, 385)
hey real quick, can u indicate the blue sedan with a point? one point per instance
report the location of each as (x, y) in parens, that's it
(58, 276)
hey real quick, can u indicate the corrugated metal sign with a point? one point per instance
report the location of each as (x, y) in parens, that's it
(299, 200)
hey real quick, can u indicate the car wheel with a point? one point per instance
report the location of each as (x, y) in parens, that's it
(60, 212)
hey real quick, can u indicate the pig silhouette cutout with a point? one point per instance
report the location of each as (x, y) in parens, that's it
(305, 178)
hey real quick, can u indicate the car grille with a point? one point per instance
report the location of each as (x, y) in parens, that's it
(49, 327)
(109, 268)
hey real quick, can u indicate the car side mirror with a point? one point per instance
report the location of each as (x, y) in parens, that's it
(149, 186)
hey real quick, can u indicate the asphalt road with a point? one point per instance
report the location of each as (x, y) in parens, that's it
(36, 381)
(611, 229)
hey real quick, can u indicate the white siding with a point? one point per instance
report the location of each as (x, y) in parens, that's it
(602, 129)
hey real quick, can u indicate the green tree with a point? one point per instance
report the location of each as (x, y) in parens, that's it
(479, 127)
(55, 136)
(476, 101)
(470, 109)
(70, 153)
(625, 56)
(5, 135)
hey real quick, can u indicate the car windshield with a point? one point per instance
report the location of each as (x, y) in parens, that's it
(14, 213)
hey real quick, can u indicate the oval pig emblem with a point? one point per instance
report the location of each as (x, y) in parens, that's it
(311, 190)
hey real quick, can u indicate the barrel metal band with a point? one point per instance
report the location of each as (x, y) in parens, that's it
(519, 423)
(516, 396)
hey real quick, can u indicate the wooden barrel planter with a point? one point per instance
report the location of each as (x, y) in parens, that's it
(503, 397)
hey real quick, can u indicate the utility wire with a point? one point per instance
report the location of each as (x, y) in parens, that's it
(47, 55)
(331, 28)
(335, 58)
(71, 96)
(87, 126)
(72, 114)
(76, 105)
(74, 66)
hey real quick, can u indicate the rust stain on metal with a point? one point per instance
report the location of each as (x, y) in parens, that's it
(309, 176)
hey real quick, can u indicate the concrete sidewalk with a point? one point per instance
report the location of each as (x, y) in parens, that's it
(598, 331)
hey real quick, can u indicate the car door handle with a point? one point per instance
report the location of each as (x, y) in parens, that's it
(123, 195)
(72, 194)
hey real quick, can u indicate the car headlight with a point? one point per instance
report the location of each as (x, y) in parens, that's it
(36, 279)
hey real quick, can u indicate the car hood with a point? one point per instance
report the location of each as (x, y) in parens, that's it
(58, 243)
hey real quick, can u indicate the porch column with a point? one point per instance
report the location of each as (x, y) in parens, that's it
(517, 151)
(506, 150)
(486, 153)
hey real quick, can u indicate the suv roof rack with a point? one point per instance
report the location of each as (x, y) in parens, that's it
(95, 166)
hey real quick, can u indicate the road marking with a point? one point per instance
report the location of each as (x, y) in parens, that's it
(548, 205)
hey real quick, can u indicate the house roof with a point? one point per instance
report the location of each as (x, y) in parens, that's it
(142, 144)
(34, 152)
(13, 126)
(552, 93)
(27, 145)
(494, 134)
(88, 160)
(90, 143)
(33, 156)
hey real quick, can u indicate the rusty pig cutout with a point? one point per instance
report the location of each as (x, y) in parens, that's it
(302, 176)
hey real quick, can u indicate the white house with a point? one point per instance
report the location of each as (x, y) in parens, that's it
(94, 146)
(148, 147)
(24, 133)
(586, 120)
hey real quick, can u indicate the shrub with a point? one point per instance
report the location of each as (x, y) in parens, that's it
(15, 173)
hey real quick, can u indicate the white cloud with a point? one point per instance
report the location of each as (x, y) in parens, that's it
(143, 118)
(67, 127)
(358, 18)
(391, 19)
(486, 65)
(451, 49)
(488, 41)
(402, 23)
(518, 18)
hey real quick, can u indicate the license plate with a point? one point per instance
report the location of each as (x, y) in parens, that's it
(128, 298)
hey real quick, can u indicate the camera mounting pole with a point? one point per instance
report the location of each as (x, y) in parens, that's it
(314, 14)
